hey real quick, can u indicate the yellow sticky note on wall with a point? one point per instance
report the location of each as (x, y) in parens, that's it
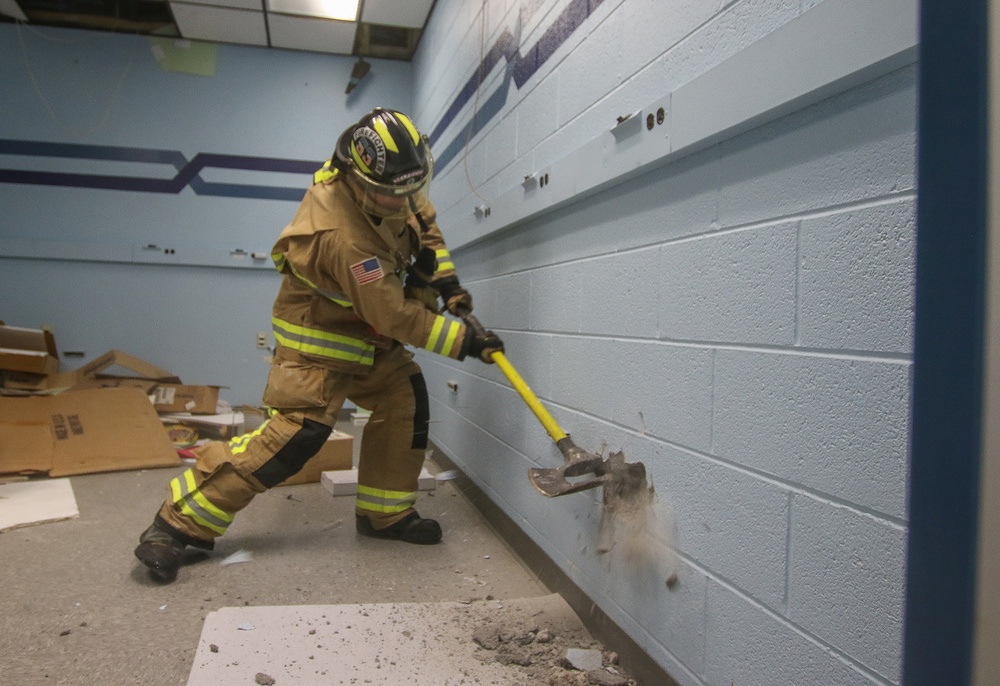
(180, 55)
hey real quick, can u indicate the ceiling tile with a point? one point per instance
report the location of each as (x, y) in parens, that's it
(254, 5)
(317, 35)
(222, 25)
(345, 10)
(411, 14)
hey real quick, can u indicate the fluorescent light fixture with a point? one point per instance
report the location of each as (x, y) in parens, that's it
(10, 8)
(344, 10)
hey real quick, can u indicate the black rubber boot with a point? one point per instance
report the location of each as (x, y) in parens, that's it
(161, 552)
(412, 529)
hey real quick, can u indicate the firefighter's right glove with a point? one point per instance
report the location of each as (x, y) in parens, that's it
(482, 345)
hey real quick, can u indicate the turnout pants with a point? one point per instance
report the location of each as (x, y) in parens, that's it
(304, 400)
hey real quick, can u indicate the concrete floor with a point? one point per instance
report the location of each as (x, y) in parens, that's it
(77, 608)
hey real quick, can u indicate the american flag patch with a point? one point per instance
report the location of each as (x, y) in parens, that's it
(367, 271)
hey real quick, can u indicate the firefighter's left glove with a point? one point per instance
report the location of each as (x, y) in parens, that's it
(420, 272)
(481, 345)
(456, 299)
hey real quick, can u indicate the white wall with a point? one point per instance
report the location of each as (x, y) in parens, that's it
(737, 317)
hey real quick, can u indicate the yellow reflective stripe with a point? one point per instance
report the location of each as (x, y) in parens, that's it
(322, 343)
(324, 174)
(439, 344)
(279, 260)
(238, 444)
(200, 498)
(380, 500)
(187, 510)
(450, 341)
(432, 339)
(383, 131)
(358, 161)
(387, 495)
(335, 296)
(444, 261)
(410, 128)
(193, 504)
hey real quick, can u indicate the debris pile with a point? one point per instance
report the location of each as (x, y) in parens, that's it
(544, 656)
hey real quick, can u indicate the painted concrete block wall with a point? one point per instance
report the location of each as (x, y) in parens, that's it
(739, 320)
(75, 258)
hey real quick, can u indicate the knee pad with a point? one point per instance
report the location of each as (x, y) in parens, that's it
(306, 442)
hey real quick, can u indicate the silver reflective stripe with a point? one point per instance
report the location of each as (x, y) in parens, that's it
(340, 298)
(194, 503)
(323, 343)
(442, 337)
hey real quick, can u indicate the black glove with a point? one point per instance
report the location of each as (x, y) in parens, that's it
(481, 345)
(421, 271)
(456, 299)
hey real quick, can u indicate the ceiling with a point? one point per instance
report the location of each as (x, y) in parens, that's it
(389, 29)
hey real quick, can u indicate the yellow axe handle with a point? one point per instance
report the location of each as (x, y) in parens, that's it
(528, 396)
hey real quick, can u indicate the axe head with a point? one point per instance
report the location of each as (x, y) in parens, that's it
(554, 482)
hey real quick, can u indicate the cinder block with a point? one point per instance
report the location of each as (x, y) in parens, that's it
(656, 27)
(662, 390)
(839, 426)
(857, 279)
(510, 302)
(621, 294)
(345, 481)
(850, 147)
(556, 297)
(746, 644)
(535, 116)
(846, 582)
(590, 69)
(731, 287)
(728, 521)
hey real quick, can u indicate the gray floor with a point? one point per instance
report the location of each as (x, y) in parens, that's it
(77, 608)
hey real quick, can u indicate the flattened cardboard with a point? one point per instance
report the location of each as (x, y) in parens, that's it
(83, 432)
(31, 351)
(112, 358)
(337, 453)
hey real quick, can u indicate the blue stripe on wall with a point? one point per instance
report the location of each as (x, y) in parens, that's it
(187, 171)
(518, 68)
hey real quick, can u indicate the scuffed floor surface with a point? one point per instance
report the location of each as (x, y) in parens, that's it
(77, 608)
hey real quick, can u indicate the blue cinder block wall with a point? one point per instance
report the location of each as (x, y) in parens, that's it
(736, 313)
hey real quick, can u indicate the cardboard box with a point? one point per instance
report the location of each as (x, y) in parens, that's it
(29, 351)
(166, 397)
(83, 432)
(338, 453)
(220, 427)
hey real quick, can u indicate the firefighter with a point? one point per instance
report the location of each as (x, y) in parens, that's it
(363, 263)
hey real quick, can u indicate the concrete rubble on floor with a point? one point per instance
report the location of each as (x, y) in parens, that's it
(507, 643)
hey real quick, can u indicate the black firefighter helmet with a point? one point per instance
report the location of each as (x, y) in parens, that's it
(387, 158)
